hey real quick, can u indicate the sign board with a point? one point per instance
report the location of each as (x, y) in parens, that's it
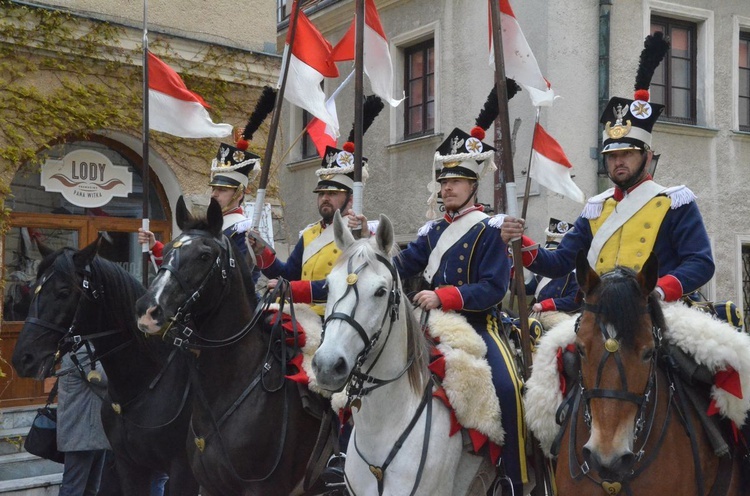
(266, 221)
(86, 178)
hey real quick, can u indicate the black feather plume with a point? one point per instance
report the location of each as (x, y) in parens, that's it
(371, 108)
(655, 47)
(265, 106)
(491, 109)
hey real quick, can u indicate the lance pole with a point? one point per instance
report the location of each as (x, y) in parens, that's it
(146, 258)
(359, 30)
(265, 170)
(507, 159)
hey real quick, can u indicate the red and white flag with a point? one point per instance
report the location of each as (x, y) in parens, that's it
(321, 133)
(376, 55)
(551, 168)
(520, 63)
(309, 64)
(176, 110)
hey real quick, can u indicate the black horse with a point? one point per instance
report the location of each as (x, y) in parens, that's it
(251, 433)
(81, 297)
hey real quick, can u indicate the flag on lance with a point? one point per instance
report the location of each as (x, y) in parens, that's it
(176, 110)
(309, 64)
(376, 57)
(551, 168)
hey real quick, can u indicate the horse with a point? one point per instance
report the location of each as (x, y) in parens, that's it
(82, 298)
(628, 422)
(250, 432)
(373, 345)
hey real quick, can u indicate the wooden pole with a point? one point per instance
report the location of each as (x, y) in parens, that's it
(265, 170)
(507, 156)
(359, 30)
(145, 248)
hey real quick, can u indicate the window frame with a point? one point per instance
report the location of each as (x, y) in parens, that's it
(744, 37)
(424, 47)
(670, 23)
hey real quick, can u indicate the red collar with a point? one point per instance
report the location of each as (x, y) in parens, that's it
(620, 194)
(463, 212)
(237, 210)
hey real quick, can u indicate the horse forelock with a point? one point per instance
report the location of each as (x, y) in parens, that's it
(621, 304)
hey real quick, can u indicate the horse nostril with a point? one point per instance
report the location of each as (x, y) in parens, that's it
(624, 465)
(340, 368)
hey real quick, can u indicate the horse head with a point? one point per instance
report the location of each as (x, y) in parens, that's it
(196, 268)
(617, 338)
(363, 302)
(63, 287)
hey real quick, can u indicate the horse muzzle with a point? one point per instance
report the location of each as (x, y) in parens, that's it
(331, 370)
(617, 467)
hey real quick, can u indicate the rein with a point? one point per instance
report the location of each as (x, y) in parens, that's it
(182, 338)
(356, 384)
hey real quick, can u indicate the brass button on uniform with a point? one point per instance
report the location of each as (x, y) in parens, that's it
(636, 267)
(460, 270)
(647, 225)
(460, 283)
(639, 254)
(466, 245)
(643, 240)
(461, 257)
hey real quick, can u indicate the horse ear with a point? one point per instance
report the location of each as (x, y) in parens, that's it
(649, 274)
(586, 276)
(384, 235)
(215, 218)
(182, 214)
(44, 250)
(85, 256)
(341, 232)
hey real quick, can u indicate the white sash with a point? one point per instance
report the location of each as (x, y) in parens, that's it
(625, 209)
(325, 238)
(540, 286)
(451, 235)
(231, 219)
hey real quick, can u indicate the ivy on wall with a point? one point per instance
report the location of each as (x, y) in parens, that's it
(62, 75)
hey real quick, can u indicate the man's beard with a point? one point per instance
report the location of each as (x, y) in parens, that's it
(328, 214)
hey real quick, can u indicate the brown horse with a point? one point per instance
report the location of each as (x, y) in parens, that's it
(630, 428)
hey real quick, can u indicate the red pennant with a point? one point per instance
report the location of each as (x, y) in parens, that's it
(729, 381)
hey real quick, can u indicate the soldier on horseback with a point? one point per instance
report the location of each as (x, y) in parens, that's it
(466, 272)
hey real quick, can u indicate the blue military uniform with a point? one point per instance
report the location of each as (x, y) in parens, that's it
(463, 259)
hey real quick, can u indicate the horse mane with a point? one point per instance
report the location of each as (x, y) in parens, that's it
(417, 346)
(621, 303)
(120, 293)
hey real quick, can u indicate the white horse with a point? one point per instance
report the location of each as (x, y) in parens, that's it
(373, 345)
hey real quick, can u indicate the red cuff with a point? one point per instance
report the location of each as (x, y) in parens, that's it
(548, 305)
(301, 291)
(158, 252)
(671, 286)
(528, 256)
(450, 298)
(265, 259)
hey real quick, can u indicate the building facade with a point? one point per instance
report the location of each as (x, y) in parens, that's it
(71, 144)
(589, 52)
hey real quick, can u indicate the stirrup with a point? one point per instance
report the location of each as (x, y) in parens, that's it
(333, 474)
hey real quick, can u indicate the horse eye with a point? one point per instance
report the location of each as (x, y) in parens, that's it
(648, 354)
(63, 293)
(581, 350)
(380, 292)
(205, 257)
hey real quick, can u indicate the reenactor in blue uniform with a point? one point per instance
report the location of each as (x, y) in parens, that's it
(462, 259)
(624, 224)
(554, 295)
(316, 252)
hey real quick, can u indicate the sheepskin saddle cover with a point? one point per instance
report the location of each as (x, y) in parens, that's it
(711, 342)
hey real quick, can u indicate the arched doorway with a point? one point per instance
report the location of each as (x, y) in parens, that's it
(84, 187)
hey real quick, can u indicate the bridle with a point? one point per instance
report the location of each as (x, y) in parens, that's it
(70, 338)
(643, 423)
(178, 329)
(357, 380)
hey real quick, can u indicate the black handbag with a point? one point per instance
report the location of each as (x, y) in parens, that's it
(42, 438)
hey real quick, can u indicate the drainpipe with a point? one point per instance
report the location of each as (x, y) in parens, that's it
(604, 38)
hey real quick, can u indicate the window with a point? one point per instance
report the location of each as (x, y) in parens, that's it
(308, 147)
(674, 82)
(419, 84)
(744, 89)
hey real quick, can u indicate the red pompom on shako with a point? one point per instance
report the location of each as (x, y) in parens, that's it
(349, 147)
(242, 144)
(642, 95)
(477, 132)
